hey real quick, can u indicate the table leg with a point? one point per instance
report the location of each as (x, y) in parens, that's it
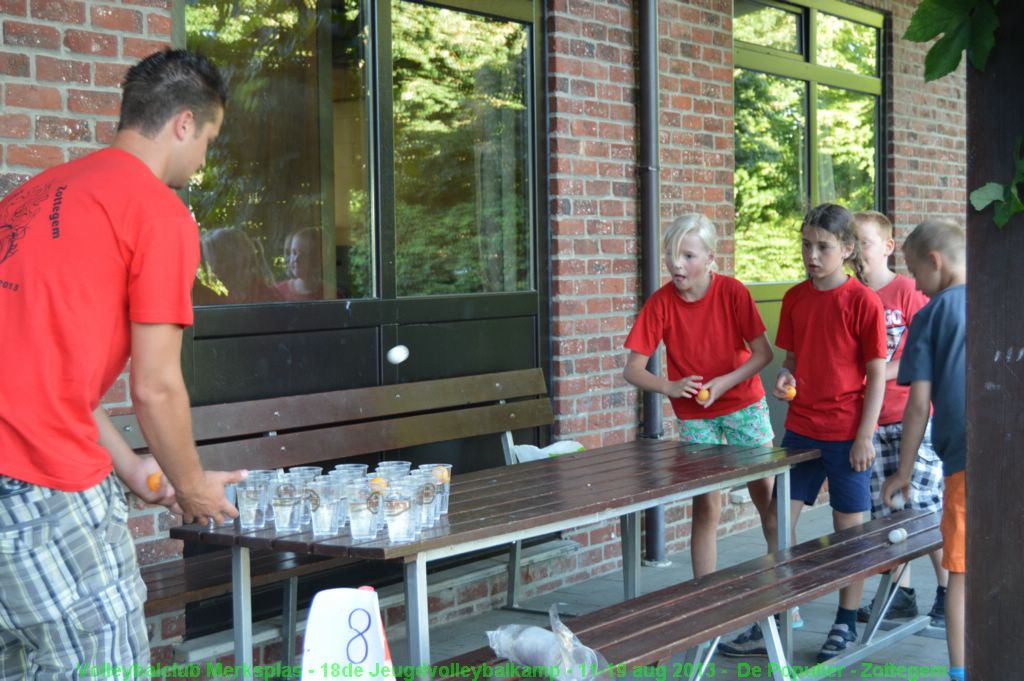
(241, 601)
(783, 518)
(629, 527)
(416, 615)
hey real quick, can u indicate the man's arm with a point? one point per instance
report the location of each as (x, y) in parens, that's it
(162, 408)
(915, 421)
(133, 469)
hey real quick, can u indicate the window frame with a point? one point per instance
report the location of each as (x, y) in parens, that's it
(804, 67)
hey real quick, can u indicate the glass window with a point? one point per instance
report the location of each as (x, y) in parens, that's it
(806, 128)
(462, 156)
(771, 174)
(269, 230)
(767, 26)
(847, 45)
(846, 148)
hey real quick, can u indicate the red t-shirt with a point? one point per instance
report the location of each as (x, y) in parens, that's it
(86, 248)
(702, 338)
(900, 301)
(834, 335)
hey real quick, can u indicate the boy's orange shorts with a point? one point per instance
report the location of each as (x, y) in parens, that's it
(954, 522)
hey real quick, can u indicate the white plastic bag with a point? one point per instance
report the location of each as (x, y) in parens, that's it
(556, 653)
(525, 453)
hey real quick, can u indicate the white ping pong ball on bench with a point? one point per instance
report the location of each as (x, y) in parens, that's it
(398, 354)
(898, 535)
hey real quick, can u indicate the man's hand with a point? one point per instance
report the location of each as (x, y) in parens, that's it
(136, 476)
(207, 501)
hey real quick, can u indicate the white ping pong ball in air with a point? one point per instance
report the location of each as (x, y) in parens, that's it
(398, 354)
(897, 535)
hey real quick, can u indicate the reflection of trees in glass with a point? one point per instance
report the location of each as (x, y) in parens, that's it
(768, 26)
(770, 175)
(461, 154)
(847, 45)
(846, 148)
(262, 175)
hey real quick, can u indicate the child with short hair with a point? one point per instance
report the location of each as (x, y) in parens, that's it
(833, 331)
(934, 366)
(715, 341)
(900, 302)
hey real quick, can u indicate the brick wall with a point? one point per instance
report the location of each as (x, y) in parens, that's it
(61, 65)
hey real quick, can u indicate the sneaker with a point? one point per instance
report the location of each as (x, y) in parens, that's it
(838, 639)
(938, 611)
(903, 606)
(748, 644)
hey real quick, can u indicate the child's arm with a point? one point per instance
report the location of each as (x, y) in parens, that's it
(637, 374)
(785, 377)
(863, 450)
(760, 356)
(133, 469)
(892, 369)
(915, 421)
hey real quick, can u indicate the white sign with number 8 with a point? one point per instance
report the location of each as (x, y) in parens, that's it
(343, 632)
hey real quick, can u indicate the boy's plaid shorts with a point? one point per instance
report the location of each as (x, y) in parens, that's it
(70, 589)
(925, 483)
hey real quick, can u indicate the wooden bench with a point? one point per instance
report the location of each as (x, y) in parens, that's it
(324, 427)
(692, 616)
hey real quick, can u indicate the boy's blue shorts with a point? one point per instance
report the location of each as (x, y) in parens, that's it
(849, 491)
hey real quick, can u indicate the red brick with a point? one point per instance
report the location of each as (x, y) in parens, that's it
(105, 132)
(141, 526)
(158, 24)
(31, 35)
(54, 128)
(138, 48)
(62, 70)
(116, 19)
(90, 102)
(90, 42)
(163, 4)
(14, 64)
(109, 75)
(32, 96)
(64, 11)
(172, 626)
(34, 155)
(15, 125)
(160, 551)
(14, 8)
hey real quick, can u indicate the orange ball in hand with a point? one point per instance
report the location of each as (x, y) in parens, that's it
(153, 482)
(790, 392)
(703, 395)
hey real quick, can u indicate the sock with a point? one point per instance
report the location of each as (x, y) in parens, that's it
(956, 674)
(847, 617)
(907, 590)
(941, 590)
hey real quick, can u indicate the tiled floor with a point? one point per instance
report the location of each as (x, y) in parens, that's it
(919, 656)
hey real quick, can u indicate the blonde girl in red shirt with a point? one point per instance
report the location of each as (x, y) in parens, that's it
(714, 341)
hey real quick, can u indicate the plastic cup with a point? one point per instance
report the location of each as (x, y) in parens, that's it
(230, 493)
(359, 468)
(400, 510)
(443, 475)
(427, 489)
(364, 508)
(252, 496)
(324, 498)
(287, 497)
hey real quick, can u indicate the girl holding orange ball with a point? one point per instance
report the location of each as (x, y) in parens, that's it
(715, 344)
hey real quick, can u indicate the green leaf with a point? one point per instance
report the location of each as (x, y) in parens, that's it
(944, 56)
(984, 23)
(983, 196)
(933, 17)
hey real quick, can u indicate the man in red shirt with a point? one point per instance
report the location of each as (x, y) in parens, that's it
(97, 259)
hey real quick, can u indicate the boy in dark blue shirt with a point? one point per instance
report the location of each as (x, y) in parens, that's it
(934, 366)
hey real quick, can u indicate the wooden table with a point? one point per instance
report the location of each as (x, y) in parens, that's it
(498, 506)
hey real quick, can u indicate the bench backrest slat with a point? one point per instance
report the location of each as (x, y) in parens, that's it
(337, 442)
(333, 425)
